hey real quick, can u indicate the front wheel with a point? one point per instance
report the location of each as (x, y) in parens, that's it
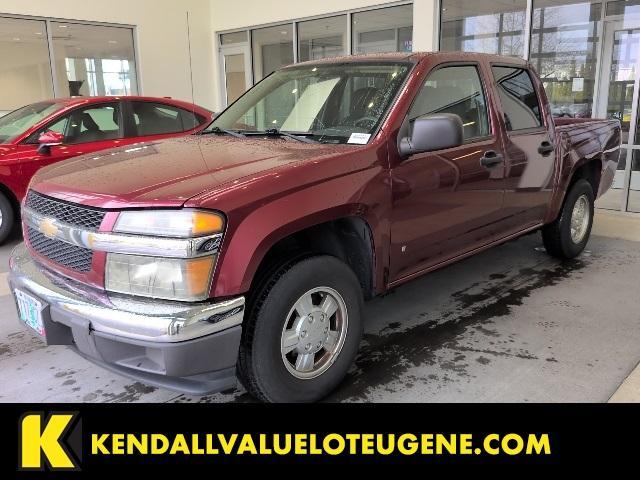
(6, 218)
(567, 237)
(302, 332)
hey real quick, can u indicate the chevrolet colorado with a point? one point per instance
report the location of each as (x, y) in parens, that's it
(247, 251)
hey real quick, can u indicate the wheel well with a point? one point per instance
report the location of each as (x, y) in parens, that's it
(591, 172)
(4, 190)
(348, 239)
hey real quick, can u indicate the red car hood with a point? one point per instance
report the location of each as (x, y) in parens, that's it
(170, 172)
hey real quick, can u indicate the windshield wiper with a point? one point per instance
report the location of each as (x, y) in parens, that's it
(222, 131)
(274, 132)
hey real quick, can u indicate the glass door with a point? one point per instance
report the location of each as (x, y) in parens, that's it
(236, 63)
(618, 98)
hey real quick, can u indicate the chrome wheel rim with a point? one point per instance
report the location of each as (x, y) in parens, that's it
(580, 219)
(314, 333)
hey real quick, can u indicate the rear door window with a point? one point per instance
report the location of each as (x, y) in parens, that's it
(518, 97)
(156, 119)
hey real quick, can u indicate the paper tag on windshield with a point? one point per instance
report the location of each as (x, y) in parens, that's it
(359, 138)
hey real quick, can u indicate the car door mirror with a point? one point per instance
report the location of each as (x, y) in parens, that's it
(433, 132)
(49, 139)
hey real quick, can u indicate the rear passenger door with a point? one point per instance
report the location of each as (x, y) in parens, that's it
(529, 152)
(447, 203)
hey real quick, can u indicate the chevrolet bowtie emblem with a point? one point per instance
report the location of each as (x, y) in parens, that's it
(48, 227)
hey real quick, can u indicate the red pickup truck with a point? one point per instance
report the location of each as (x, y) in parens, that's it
(247, 251)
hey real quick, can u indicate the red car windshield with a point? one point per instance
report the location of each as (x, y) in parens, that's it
(19, 121)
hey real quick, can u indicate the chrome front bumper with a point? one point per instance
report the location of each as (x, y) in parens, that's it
(187, 347)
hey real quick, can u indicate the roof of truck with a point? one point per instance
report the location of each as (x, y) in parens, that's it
(413, 57)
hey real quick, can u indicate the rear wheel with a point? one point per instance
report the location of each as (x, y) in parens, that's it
(568, 236)
(7, 217)
(302, 332)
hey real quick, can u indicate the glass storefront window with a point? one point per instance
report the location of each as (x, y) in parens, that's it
(235, 37)
(564, 49)
(322, 38)
(94, 60)
(484, 26)
(634, 188)
(25, 73)
(272, 49)
(383, 30)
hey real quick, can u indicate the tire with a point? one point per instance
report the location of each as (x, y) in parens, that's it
(265, 370)
(560, 239)
(7, 217)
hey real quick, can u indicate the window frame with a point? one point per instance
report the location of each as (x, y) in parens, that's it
(479, 70)
(348, 13)
(523, 131)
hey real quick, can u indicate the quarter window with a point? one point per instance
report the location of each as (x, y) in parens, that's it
(518, 97)
(456, 90)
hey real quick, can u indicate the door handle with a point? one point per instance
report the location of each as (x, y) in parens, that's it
(546, 148)
(491, 159)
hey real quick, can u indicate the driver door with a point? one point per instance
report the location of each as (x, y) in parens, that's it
(446, 203)
(86, 130)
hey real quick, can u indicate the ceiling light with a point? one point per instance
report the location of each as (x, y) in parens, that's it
(113, 41)
(38, 33)
(284, 32)
(62, 26)
(16, 39)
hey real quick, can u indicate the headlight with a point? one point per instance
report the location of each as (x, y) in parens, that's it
(170, 223)
(185, 280)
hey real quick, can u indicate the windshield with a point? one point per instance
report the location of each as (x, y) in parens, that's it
(18, 121)
(330, 103)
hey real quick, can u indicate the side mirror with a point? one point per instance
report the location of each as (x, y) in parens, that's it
(433, 132)
(49, 139)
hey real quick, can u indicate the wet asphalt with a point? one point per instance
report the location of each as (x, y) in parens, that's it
(508, 325)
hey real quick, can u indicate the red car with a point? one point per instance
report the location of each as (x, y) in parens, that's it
(53, 130)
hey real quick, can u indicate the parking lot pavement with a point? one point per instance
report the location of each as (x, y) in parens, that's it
(508, 325)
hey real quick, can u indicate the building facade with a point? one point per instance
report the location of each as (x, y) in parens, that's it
(211, 51)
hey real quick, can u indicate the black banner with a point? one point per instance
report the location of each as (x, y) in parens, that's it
(77, 439)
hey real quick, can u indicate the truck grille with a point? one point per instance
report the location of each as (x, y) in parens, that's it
(68, 213)
(67, 255)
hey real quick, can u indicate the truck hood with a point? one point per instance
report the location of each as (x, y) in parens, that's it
(168, 173)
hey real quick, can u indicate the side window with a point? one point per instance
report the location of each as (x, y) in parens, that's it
(60, 125)
(456, 90)
(157, 119)
(94, 124)
(190, 120)
(519, 99)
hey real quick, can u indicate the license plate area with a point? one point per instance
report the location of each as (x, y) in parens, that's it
(30, 311)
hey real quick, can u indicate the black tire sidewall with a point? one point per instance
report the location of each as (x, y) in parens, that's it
(268, 369)
(8, 218)
(569, 247)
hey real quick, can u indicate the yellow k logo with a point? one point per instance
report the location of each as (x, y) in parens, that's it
(36, 440)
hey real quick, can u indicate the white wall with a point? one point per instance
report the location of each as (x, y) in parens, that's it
(161, 39)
